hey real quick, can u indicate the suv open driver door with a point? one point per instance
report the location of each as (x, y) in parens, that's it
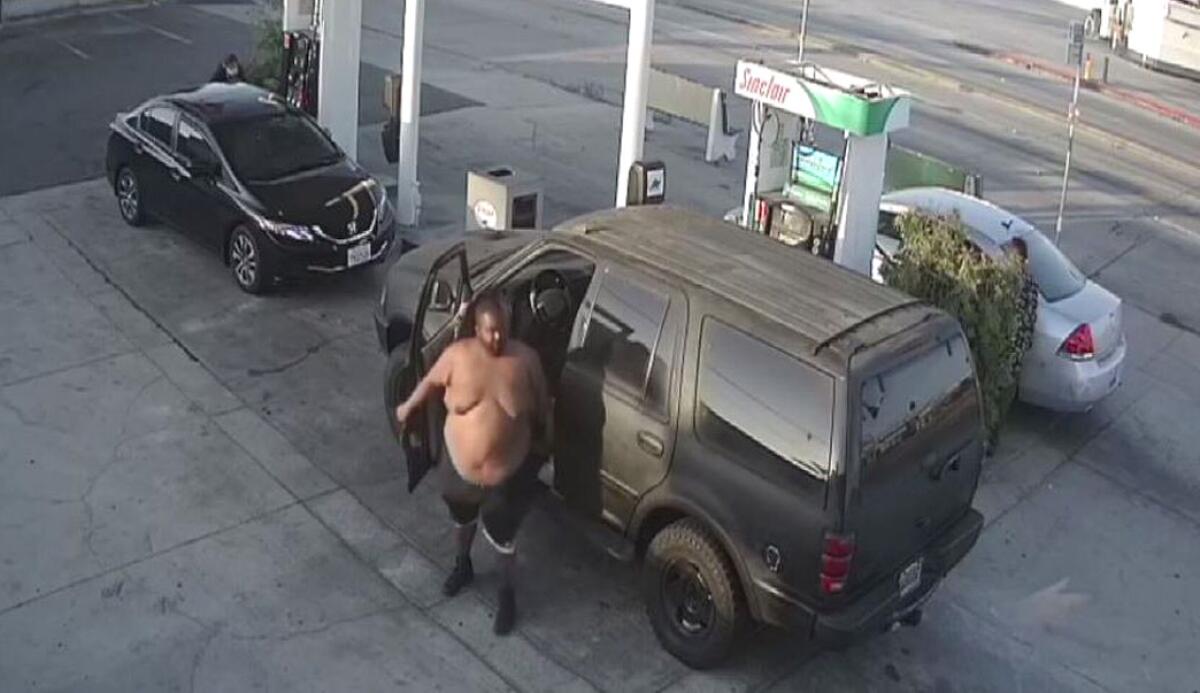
(437, 323)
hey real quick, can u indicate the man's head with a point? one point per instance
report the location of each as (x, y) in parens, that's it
(491, 322)
(232, 67)
(1020, 249)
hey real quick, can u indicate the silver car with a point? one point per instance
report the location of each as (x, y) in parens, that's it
(1079, 343)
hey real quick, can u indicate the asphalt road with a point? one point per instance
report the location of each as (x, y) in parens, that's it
(64, 80)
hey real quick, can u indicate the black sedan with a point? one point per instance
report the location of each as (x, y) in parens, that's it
(251, 177)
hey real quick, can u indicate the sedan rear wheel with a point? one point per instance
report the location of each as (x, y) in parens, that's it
(245, 261)
(129, 197)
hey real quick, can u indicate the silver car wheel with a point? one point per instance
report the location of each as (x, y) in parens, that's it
(127, 195)
(244, 259)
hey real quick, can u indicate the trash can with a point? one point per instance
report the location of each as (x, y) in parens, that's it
(501, 198)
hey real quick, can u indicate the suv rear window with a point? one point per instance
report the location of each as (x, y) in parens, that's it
(900, 402)
(757, 401)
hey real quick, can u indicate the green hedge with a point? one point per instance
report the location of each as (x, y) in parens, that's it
(267, 64)
(939, 265)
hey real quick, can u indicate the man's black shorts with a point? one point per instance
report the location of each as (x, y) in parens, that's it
(502, 507)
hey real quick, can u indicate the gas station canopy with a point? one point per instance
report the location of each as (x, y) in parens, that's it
(836, 99)
(823, 197)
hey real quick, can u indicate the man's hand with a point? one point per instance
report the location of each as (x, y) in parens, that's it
(402, 414)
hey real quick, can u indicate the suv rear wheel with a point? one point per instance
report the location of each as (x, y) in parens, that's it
(692, 595)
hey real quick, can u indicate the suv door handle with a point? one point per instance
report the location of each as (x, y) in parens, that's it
(650, 443)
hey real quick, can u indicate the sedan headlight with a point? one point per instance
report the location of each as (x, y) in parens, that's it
(295, 232)
(383, 211)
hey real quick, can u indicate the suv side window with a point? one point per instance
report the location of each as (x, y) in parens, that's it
(159, 123)
(627, 340)
(761, 404)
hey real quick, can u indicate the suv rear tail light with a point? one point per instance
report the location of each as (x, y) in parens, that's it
(1079, 346)
(837, 553)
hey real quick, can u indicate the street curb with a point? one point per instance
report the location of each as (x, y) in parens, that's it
(1132, 98)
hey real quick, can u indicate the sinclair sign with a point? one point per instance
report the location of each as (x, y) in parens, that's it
(834, 98)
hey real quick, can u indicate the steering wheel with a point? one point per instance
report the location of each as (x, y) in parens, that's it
(550, 300)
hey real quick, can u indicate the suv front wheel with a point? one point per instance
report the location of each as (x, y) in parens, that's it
(692, 595)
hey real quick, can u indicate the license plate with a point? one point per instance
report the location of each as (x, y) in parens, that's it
(358, 254)
(910, 577)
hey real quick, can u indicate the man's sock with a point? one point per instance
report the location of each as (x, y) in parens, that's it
(506, 611)
(460, 577)
(464, 572)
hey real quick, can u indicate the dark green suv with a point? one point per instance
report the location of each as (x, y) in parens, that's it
(777, 438)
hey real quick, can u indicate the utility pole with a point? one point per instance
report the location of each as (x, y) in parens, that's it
(803, 31)
(1074, 55)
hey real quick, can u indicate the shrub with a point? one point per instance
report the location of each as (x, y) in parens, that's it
(267, 64)
(938, 264)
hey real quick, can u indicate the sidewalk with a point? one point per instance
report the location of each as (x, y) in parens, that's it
(157, 532)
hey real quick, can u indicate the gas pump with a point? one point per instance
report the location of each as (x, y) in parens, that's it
(817, 153)
(301, 64)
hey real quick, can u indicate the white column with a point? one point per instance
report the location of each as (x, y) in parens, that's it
(753, 154)
(637, 83)
(297, 14)
(337, 95)
(408, 193)
(858, 205)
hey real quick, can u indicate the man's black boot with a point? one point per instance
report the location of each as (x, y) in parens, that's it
(460, 577)
(506, 612)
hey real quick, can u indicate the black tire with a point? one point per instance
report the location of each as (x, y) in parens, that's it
(704, 636)
(246, 261)
(397, 384)
(130, 202)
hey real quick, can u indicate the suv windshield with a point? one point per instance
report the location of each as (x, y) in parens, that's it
(899, 403)
(274, 146)
(1055, 274)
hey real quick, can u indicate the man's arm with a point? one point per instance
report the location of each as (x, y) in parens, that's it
(437, 378)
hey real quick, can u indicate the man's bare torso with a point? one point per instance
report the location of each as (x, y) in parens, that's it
(491, 403)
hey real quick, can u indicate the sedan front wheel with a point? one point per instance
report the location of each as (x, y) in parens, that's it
(129, 197)
(246, 261)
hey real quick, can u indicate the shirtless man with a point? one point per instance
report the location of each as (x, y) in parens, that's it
(496, 403)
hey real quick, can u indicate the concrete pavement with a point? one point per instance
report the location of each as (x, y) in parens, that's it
(214, 500)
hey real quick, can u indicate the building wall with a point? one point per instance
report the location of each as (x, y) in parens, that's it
(1146, 33)
(1181, 36)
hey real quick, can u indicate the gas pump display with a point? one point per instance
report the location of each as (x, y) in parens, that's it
(814, 177)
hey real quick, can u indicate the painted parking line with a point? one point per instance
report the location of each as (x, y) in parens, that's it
(80, 54)
(158, 30)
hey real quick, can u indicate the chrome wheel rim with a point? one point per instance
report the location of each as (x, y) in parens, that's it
(244, 260)
(127, 195)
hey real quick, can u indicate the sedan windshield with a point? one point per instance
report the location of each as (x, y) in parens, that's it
(1055, 274)
(274, 146)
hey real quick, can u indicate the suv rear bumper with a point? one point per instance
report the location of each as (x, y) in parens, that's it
(883, 606)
